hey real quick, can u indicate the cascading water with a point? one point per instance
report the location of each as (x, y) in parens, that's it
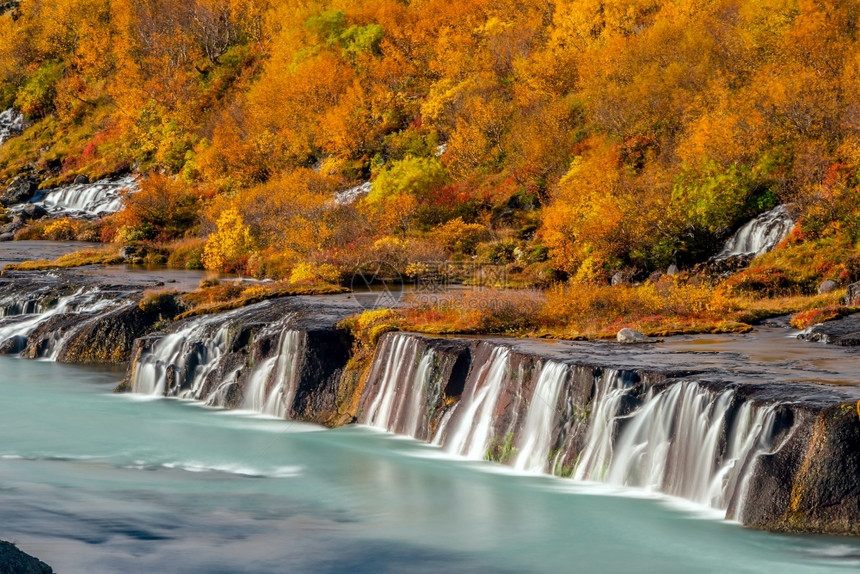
(272, 385)
(683, 439)
(189, 355)
(472, 432)
(679, 442)
(609, 392)
(400, 402)
(11, 124)
(759, 235)
(87, 199)
(83, 302)
(353, 194)
(193, 363)
(19, 305)
(533, 455)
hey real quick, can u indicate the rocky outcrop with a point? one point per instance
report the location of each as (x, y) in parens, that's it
(108, 338)
(76, 318)
(844, 332)
(631, 336)
(14, 561)
(20, 190)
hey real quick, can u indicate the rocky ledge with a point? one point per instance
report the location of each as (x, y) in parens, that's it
(844, 332)
(807, 479)
(14, 561)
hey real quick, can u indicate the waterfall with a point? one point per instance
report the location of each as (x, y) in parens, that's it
(20, 304)
(11, 124)
(400, 401)
(89, 311)
(187, 356)
(272, 386)
(353, 194)
(759, 235)
(18, 326)
(681, 441)
(595, 457)
(87, 199)
(475, 414)
(196, 363)
(534, 450)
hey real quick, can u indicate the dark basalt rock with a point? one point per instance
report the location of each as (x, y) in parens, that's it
(844, 332)
(33, 211)
(20, 190)
(15, 561)
(81, 180)
(13, 227)
(109, 338)
(722, 267)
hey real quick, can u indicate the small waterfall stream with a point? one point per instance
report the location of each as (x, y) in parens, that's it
(12, 123)
(272, 384)
(533, 455)
(86, 199)
(19, 322)
(681, 441)
(404, 378)
(610, 390)
(471, 434)
(759, 235)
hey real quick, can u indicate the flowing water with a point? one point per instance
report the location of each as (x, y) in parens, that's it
(86, 200)
(11, 124)
(759, 235)
(91, 481)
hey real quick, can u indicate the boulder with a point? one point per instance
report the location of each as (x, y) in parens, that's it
(7, 236)
(628, 336)
(672, 270)
(33, 211)
(827, 286)
(128, 252)
(20, 190)
(81, 179)
(852, 296)
(654, 277)
(13, 227)
(618, 279)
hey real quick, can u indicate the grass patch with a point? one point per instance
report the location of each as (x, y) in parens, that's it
(106, 256)
(216, 297)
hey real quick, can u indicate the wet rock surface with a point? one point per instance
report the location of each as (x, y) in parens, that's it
(20, 190)
(844, 332)
(15, 561)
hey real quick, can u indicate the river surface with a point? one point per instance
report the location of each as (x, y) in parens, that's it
(91, 481)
